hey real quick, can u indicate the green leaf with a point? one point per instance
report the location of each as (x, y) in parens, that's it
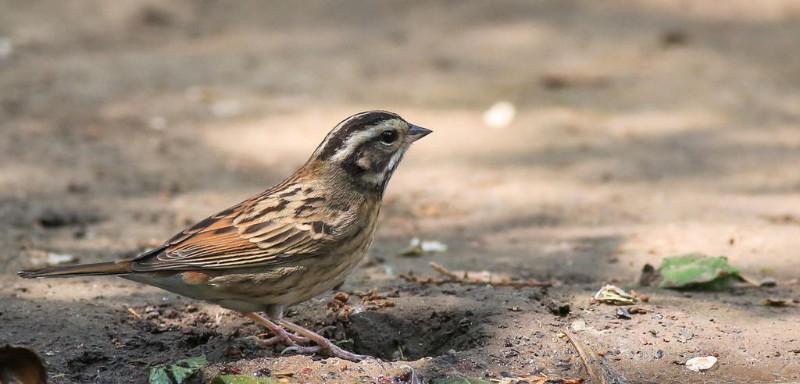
(460, 380)
(177, 372)
(158, 375)
(697, 271)
(241, 379)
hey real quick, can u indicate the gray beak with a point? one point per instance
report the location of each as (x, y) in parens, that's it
(416, 132)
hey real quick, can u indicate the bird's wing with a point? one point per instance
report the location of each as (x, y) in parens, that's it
(264, 230)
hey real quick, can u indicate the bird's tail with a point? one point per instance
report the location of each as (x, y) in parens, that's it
(118, 267)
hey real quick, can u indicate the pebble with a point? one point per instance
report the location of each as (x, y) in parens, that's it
(578, 326)
(6, 47)
(700, 364)
(499, 115)
(622, 313)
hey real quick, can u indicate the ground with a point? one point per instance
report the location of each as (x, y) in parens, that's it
(644, 129)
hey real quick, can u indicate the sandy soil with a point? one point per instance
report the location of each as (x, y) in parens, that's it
(644, 129)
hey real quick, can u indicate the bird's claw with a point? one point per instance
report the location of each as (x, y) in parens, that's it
(300, 349)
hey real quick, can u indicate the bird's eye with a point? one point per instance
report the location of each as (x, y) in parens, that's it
(388, 137)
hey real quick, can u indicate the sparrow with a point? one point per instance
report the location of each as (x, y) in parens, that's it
(286, 245)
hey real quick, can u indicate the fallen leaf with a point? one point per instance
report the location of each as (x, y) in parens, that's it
(696, 271)
(178, 371)
(613, 295)
(775, 302)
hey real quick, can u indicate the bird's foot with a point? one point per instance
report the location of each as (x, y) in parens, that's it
(279, 334)
(298, 336)
(333, 350)
(285, 338)
(324, 346)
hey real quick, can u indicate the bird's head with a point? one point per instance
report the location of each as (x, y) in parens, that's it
(368, 146)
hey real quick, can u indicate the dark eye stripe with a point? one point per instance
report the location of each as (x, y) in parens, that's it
(337, 138)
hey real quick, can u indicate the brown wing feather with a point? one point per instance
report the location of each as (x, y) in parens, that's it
(261, 231)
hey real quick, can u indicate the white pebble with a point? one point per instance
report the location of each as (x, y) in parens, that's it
(59, 258)
(499, 115)
(226, 108)
(578, 326)
(428, 245)
(433, 246)
(6, 47)
(157, 123)
(699, 364)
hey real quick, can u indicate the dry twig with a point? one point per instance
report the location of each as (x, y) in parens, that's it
(586, 359)
(135, 314)
(474, 278)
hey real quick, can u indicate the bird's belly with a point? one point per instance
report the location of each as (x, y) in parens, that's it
(254, 289)
(311, 279)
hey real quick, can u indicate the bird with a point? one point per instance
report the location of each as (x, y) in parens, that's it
(283, 246)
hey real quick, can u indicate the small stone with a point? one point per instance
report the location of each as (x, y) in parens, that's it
(674, 37)
(499, 115)
(60, 259)
(157, 123)
(341, 296)
(701, 364)
(578, 326)
(768, 282)
(233, 351)
(622, 313)
(226, 108)
(433, 246)
(6, 47)
(557, 308)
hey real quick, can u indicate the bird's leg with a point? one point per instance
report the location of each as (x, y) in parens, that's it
(300, 336)
(280, 335)
(323, 345)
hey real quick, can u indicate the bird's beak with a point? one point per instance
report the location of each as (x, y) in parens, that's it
(416, 132)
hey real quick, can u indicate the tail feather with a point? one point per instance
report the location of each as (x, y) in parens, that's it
(118, 267)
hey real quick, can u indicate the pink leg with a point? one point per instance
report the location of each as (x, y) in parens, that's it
(300, 336)
(323, 345)
(280, 335)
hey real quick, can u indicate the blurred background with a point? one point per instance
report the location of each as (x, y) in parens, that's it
(573, 140)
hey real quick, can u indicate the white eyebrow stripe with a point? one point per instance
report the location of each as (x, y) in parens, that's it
(335, 131)
(352, 142)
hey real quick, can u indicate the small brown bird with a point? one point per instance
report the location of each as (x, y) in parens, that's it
(287, 244)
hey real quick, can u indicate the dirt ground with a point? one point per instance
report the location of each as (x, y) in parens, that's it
(644, 129)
